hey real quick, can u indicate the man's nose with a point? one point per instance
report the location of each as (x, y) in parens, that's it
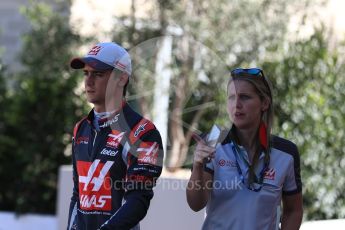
(89, 79)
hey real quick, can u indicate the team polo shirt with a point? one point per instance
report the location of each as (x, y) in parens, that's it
(232, 205)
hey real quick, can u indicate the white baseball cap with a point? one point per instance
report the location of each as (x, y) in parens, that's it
(105, 56)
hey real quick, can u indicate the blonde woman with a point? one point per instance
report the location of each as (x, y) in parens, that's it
(251, 173)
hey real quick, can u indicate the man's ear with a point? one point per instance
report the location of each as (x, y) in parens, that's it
(123, 79)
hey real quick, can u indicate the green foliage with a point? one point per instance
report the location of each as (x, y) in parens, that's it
(309, 99)
(41, 115)
(308, 77)
(208, 38)
(6, 142)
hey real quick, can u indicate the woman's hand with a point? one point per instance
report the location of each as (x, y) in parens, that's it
(202, 151)
(200, 183)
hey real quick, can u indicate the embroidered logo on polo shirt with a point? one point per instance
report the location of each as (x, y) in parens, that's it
(226, 163)
(270, 174)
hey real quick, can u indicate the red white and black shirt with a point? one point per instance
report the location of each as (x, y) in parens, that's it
(115, 167)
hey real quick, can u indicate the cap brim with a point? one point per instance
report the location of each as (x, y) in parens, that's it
(79, 63)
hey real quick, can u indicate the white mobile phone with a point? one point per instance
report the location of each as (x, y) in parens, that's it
(213, 136)
(212, 139)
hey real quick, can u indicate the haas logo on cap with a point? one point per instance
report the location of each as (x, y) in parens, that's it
(95, 50)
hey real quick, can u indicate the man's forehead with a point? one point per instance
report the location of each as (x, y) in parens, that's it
(89, 68)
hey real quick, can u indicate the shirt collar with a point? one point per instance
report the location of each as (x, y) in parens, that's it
(108, 119)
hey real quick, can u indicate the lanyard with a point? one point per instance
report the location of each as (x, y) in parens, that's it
(237, 152)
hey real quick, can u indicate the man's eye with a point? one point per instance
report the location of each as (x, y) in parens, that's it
(93, 74)
(98, 74)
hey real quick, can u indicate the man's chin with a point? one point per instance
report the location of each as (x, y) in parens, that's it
(92, 100)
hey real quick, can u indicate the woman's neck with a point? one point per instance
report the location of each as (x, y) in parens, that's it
(248, 139)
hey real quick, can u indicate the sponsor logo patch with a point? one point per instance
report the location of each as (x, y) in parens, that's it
(109, 152)
(82, 140)
(111, 121)
(140, 129)
(139, 178)
(148, 153)
(94, 185)
(114, 139)
(120, 65)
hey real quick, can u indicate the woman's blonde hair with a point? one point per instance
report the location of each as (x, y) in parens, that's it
(264, 90)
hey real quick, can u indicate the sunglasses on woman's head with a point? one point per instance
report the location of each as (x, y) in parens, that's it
(255, 72)
(252, 71)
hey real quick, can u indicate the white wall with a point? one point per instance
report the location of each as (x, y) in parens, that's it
(169, 209)
(65, 186)
(324, 224)
(10, 221)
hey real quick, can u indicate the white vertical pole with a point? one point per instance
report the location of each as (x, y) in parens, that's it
(163, 75)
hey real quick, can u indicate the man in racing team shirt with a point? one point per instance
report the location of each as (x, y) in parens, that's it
(117, 154)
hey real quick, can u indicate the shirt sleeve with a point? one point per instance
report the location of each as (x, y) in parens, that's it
(293, 183)
(144, 166)
(72, 217)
